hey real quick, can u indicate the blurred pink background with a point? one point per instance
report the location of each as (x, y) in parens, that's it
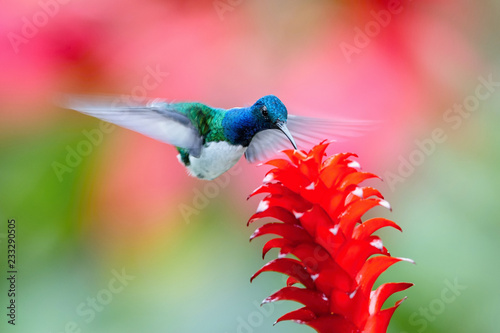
(405, 72)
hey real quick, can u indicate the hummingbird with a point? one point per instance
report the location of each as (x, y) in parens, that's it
(211, 140)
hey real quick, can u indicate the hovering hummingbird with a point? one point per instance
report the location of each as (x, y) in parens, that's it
(212, 140)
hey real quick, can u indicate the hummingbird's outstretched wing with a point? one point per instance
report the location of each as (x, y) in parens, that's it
(306, 131)
(158, 120)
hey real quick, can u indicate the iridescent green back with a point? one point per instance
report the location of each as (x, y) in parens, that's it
(207, 120)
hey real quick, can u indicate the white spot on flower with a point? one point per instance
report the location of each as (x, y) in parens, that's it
(263, 205)
(310, 186)
(377, 243)
(351, 295)
(314, 277)
(297, 215)
(358, 192)
(354, 165)
(269, 178)
(385, 203)
(335, 229)
(371, 308)
(281, 255)
(406, 259)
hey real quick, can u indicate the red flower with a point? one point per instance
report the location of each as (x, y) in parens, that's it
(320, 205)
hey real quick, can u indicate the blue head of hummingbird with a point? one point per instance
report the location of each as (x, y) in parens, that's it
(242, 124)
(212, 140)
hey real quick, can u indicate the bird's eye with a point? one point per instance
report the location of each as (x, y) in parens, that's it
(264, 111)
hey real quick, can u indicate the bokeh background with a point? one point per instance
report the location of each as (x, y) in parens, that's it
(123, 206)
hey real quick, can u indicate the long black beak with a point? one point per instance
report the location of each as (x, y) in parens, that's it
(282, 126)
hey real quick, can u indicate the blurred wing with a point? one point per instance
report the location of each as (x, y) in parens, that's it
(157, 120)
(307, 132)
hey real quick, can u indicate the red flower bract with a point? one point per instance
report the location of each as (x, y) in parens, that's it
(337, 258)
